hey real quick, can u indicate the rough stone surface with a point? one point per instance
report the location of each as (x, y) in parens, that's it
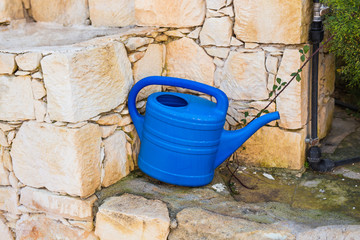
(82, 84)
(218, 52)
(41, 227)
(216, 31)
(4, 173)
(215, 4)
(255, 21)
(111, 119)
(9, 200)
(10, 9)
(185, 59)
(69, 12)
(326, 74)
(132, 217)
(114, 13)
(40, 110)
(151, 64)
(176, 13)
(292, 103)
(38, 89)
(106, 131)
(334, 232)
(216, 226)
(5, 232)
(28, 61)
(136, 42)
(7, 63)
(62, 206)
(16, 99)
(244, 76)
(325, 115)
(272, 64)
(116, 165)
(274, 147)
(60, 159)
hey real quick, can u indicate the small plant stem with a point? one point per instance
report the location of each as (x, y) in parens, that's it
(293, 77)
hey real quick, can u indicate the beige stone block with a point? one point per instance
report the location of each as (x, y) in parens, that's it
(83, 83)
(4, 175)
(272, 21)
(6, 159)
(111, 119)
(66, 12)
(325, 115)
(38, 89)
(272, 64)
(5, 231)
(63, 206)
(41, 227)
(40, 110)
(176, 13)
(106, 131)
(116, 165)
(133, 57)
(185, 59)
(86, 225)
(16, 98)
(235, 42)
(174, 33)
(244, 76)
(28, 61)
(7, 63)
(218, 52)
(194, 34)
(332, 232)
(215, 4)
(292, 103)
(151, 64)
(228, 11)
(113, 13)
(216, 31)
(326, 73)
(6, 127)
(58, 158)
(131, 217)
(136, 42)
(274, 147)
(10, 9)
(3, 139)
(9, 200)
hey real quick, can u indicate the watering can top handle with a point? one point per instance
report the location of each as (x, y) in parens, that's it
(221, 98)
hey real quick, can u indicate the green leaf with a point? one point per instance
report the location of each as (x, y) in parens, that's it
(275, 87)
(243, 120)
(279, 88)
(271, 93)
(278, 80)
(298, 78)
(284, 83)
(302, 58)
(246, 114)
(301, 51)
(306, 49)
(266, 111)
(293, 74)
(258, 115)
(299, 70)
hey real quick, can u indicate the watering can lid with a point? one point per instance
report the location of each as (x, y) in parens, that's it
(184, 109)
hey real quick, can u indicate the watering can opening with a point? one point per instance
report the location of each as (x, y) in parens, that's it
(171, 100)
(182, 135)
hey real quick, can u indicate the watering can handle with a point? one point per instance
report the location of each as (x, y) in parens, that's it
(138, 119)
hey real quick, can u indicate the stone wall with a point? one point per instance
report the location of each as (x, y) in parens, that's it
(65, 130)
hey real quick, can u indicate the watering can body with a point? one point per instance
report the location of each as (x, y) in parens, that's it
(182, 136)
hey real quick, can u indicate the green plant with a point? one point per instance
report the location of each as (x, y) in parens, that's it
(344, 22)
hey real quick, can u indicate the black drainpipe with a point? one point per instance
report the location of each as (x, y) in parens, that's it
(314, 152)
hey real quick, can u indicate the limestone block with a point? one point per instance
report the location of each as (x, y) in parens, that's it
(272, 64)
(176, 13)
(6, 159)
(135, 42)
(3, 139)
(325, 115)
(133, 57)
(28, 61)
(40, 110)
(111, 119)
(4, 173)
(9, 200)
(326, 73)
(244, 76)
(66, 12)
(216, 31)
(113, 13)
(235, 42)
(10, 9)
(228, 11)
(292, 103)
(215, 4)
(194, 34)
(131, 217)
(60, 159)
(273, 21)
(7, 63)
(106, 131)
(116, 165)
(218, 52)
(274, 147)
(81, 84)
(185, 59)
(63, 206)
(38, 89)
(41, 227)
(16, 98)
(332, 232)
(5, 231)
(151, 64)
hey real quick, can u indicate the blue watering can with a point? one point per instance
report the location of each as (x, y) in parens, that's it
(182, 136)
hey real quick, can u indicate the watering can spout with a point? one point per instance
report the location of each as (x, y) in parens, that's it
(231, 140)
